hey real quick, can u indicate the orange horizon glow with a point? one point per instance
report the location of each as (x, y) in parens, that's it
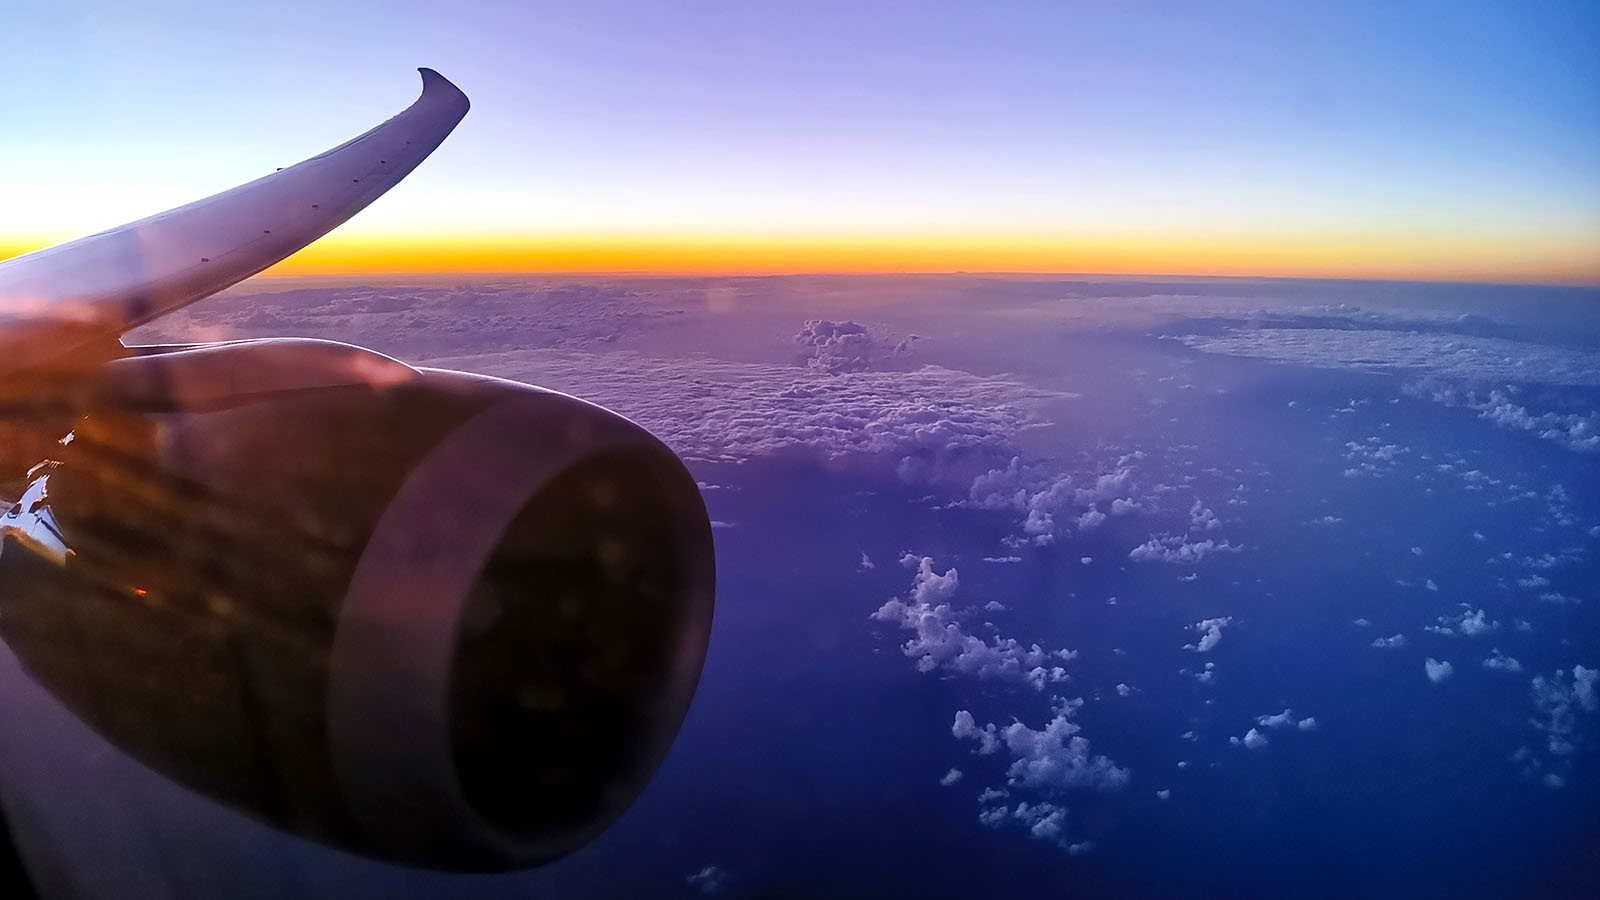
(1497, 258)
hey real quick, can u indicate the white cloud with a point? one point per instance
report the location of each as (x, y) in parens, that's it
(940, 642)
(1210, 631)
(1123, 690)
(951, 777)
(1202, 518)
(1435, 353)
(1252, 739)
(967, 727)
(1392, 642)
(1164, 794)
(1091, 519)
(1579, 432)
(990, 795)
(709, 880)
(1055, 757)
(836, 347)
(1558, 699)
(1500, 662)
(1047, 498)
(1286, 719)
(1045, 821)
(1437, 671)
(915, 423)
(1469, 623)
(1362, 622)
(1178, 550)
(1276, 720)
(866, 562)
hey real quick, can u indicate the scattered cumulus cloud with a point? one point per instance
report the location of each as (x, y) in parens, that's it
(1558, 700)
(1053, 758)
(1253, 740)
(709, 880)
(940, 642)
(1179, 550)
(1210, 631)
(1468, 623)
(1499, 662)
(1437, 671)
(1286, 719)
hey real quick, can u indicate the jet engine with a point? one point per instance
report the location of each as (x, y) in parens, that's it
(435, 618)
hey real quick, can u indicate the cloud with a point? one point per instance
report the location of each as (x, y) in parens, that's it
(866, 562)
(1044, 821)
(1210, 631)
(1362, 622)
(1123, 690)
(1558, 700)
(922, 425)
(1392, 642)
(1469, 623)
(1252, 739)
(1201, 518)
(1440, 356)
(415, 322)
(1044, 498)
(951, 777)
(1578, 432)
(1500, 662)
(1054, 758)
(1178, 550)
(967, 727)
(709, 880)
(940, 642)
(837, 347)
(1286, 719)
(1437, 671)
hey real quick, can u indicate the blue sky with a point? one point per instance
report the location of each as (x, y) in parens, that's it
(1474, 122)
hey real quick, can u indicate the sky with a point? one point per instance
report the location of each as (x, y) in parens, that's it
(1450, 141)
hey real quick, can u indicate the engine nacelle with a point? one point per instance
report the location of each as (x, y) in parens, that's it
(449, 621)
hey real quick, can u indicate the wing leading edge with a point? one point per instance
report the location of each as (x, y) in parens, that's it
(55, 301)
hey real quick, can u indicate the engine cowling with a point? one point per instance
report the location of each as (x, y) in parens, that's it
(446, 620)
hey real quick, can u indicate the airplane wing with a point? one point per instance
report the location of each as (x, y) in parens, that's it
(85, 293)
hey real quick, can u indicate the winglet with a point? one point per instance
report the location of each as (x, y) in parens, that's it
(434, 83)
(55, 301)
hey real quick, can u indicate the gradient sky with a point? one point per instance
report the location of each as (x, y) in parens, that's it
(1436, 140)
